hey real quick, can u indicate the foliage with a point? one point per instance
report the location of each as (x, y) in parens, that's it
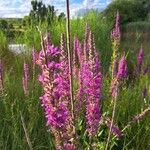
(4, 52)
(130, 10)
(6, 25)
(3, 40)
(40, 13)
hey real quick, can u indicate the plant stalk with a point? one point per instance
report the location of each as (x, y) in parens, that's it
(26, 133)
(112, 121)
(70, 56)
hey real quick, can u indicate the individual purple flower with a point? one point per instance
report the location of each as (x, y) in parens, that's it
(140, 59)
(144, 92)
(69, 147)
(25, 79)
(114, 88)
(122, 70)
(57, 116)
(146, 70)
(115, 67)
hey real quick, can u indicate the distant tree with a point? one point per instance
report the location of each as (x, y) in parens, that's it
(41, 13)
(3, 24)
(130, 10)
(34, 5)
(61, 16)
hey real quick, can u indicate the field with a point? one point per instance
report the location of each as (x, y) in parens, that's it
(110, 106)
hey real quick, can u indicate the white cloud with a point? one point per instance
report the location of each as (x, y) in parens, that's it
(20, 8)
(90, 4)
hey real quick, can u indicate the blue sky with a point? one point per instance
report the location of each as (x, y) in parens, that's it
(20, 8)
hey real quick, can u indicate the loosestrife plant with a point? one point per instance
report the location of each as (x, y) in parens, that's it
(56, 86)
(115, 37)
(140, 58)
(87, 79)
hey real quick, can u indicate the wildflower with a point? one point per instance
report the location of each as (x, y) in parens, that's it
(146, 70)
(69, 147)
(63, 77)
(140, 59)
(115, 130)
(56, 116)
(115, 68)
(114, 88)
(122, 70)
(92, 83)
(56, 85)
(144, 92)
(34, 56)
(51, 80)
(115, 36)
(141, 115)
(122, 73)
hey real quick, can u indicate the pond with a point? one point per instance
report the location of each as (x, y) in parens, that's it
(17, 48)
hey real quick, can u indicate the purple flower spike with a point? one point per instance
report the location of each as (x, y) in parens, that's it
(92, 79)
(140, 59)
(115, 68)
(56, 85)
(116, 34)
(57, 117)
(122, 70)
(114, 88)
(34, 56)
(115, 130)
(144, 92)
(141, 115)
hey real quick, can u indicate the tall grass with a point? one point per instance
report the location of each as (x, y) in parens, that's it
(5, 54)
(100, 28)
